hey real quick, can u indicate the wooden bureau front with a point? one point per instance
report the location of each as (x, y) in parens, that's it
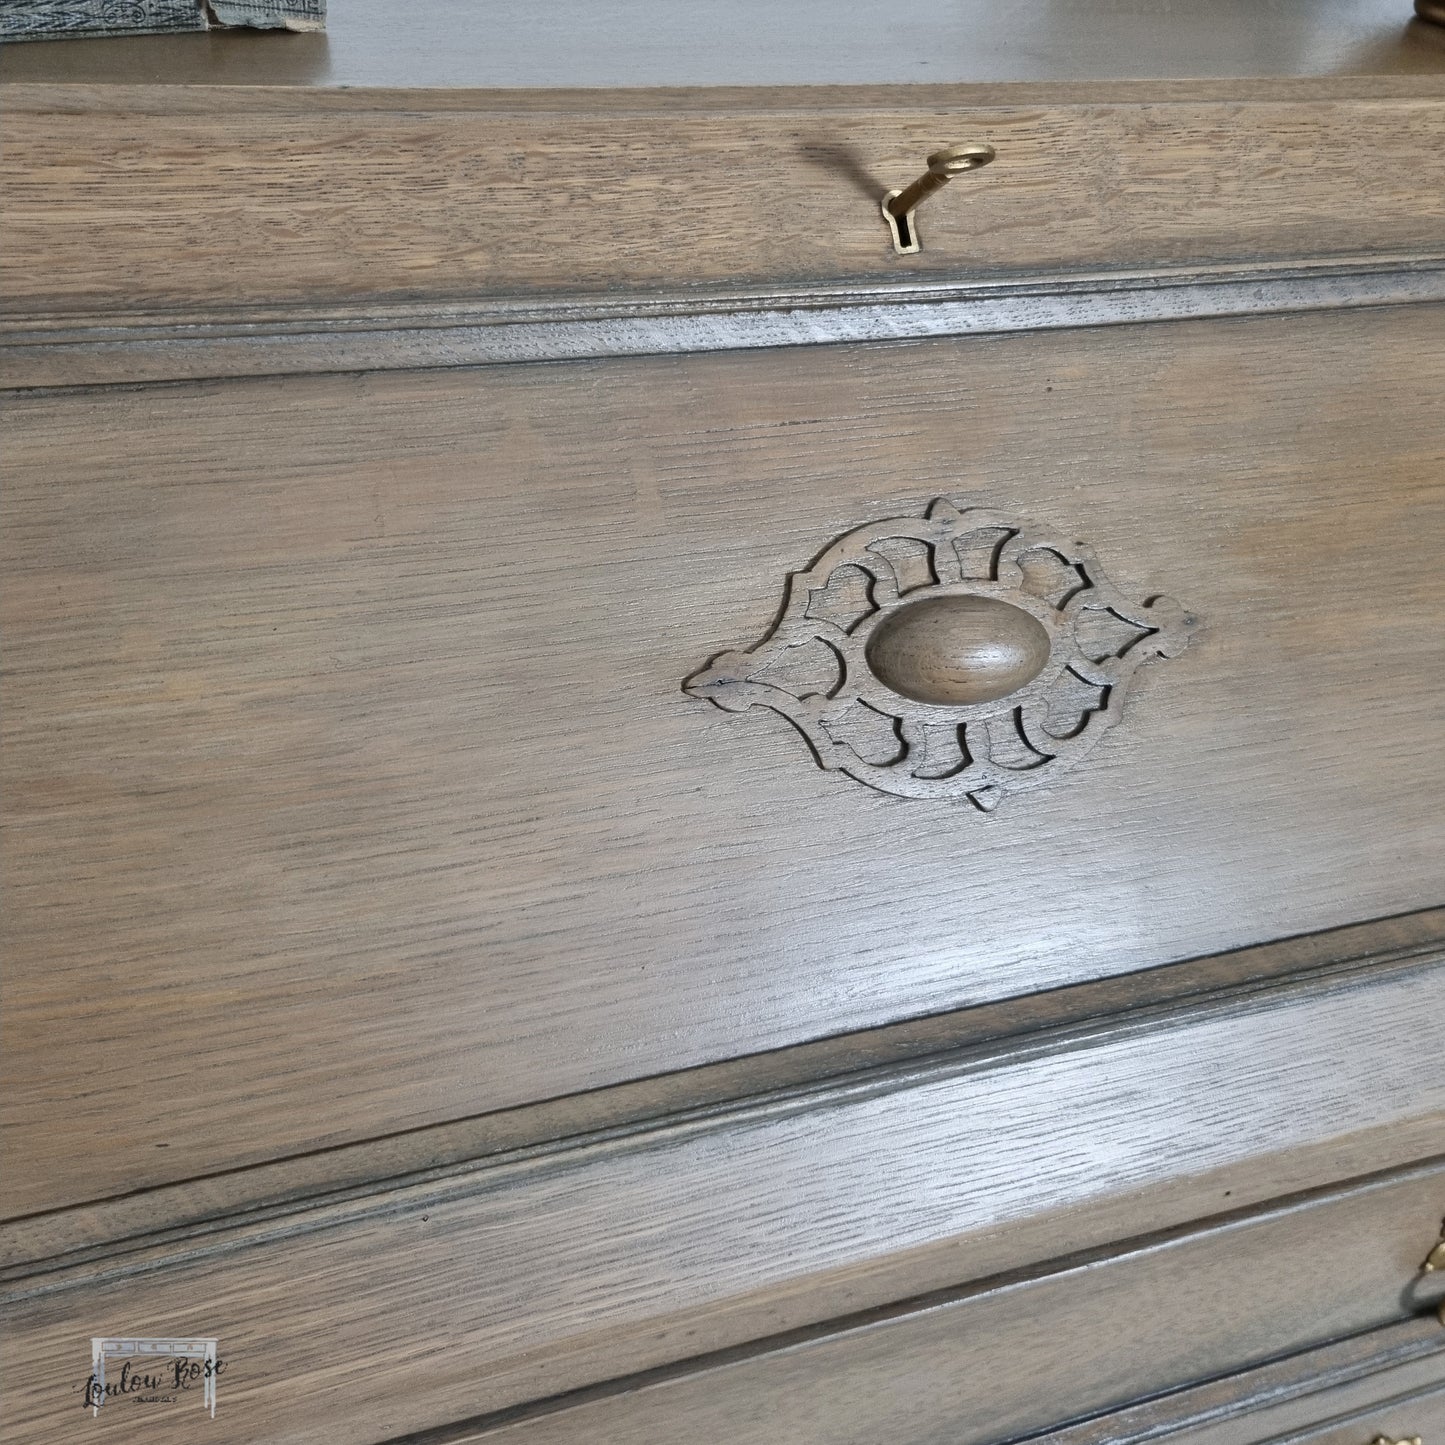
(447, 917)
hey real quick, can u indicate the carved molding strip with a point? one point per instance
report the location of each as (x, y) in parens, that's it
(107, 349)
(962, 654)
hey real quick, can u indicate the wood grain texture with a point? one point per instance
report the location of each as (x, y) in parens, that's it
(415, 989)
(144, 202)
(1001, 1363)
(150, 1221)
(361, 733)
(635, 1253)
(755, 42)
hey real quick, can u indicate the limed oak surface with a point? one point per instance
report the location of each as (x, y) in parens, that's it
(922, 1245)
(345, 718)
(414, 989)
(257, 203)
(1003, 1363)
(75, 350)
(150, 1221)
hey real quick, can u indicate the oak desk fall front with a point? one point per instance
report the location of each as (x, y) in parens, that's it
(633, 816)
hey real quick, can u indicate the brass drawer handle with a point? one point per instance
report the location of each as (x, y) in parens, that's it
(1434, 1263)
(899, 206)
(1435, 1260)
(964, 654)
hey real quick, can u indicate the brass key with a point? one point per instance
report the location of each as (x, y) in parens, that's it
(898, 206)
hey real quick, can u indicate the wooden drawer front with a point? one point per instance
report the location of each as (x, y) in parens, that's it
(1004, 1363)
(758, 1256)
(124, 199)
(354, 788)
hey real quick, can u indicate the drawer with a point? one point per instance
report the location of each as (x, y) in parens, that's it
(853, 858)
(989, 1247)
(370, 689)
(134, 199)
(1008, 1361)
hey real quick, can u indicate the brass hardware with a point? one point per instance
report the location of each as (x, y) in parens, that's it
(899, 206)
(1385, 1440)
(1433, 10)
(1435, 1262)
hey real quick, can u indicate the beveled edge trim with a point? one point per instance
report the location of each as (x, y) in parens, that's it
(109, 1238)
(46, 351)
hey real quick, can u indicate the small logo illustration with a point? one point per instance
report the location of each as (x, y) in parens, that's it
(152, 1372)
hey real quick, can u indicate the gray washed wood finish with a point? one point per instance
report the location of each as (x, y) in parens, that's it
(106, 349)
(148, 1223)
(542, 1060)
(394, 197)
(707, 1235)
(384, 700)
(1001, 1363)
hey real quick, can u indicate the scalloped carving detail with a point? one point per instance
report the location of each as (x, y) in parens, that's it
(981, 751)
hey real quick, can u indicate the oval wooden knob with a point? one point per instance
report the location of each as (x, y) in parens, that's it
(957, 651)
(963, 654)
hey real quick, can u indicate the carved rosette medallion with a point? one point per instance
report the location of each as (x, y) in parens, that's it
(963, 654)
